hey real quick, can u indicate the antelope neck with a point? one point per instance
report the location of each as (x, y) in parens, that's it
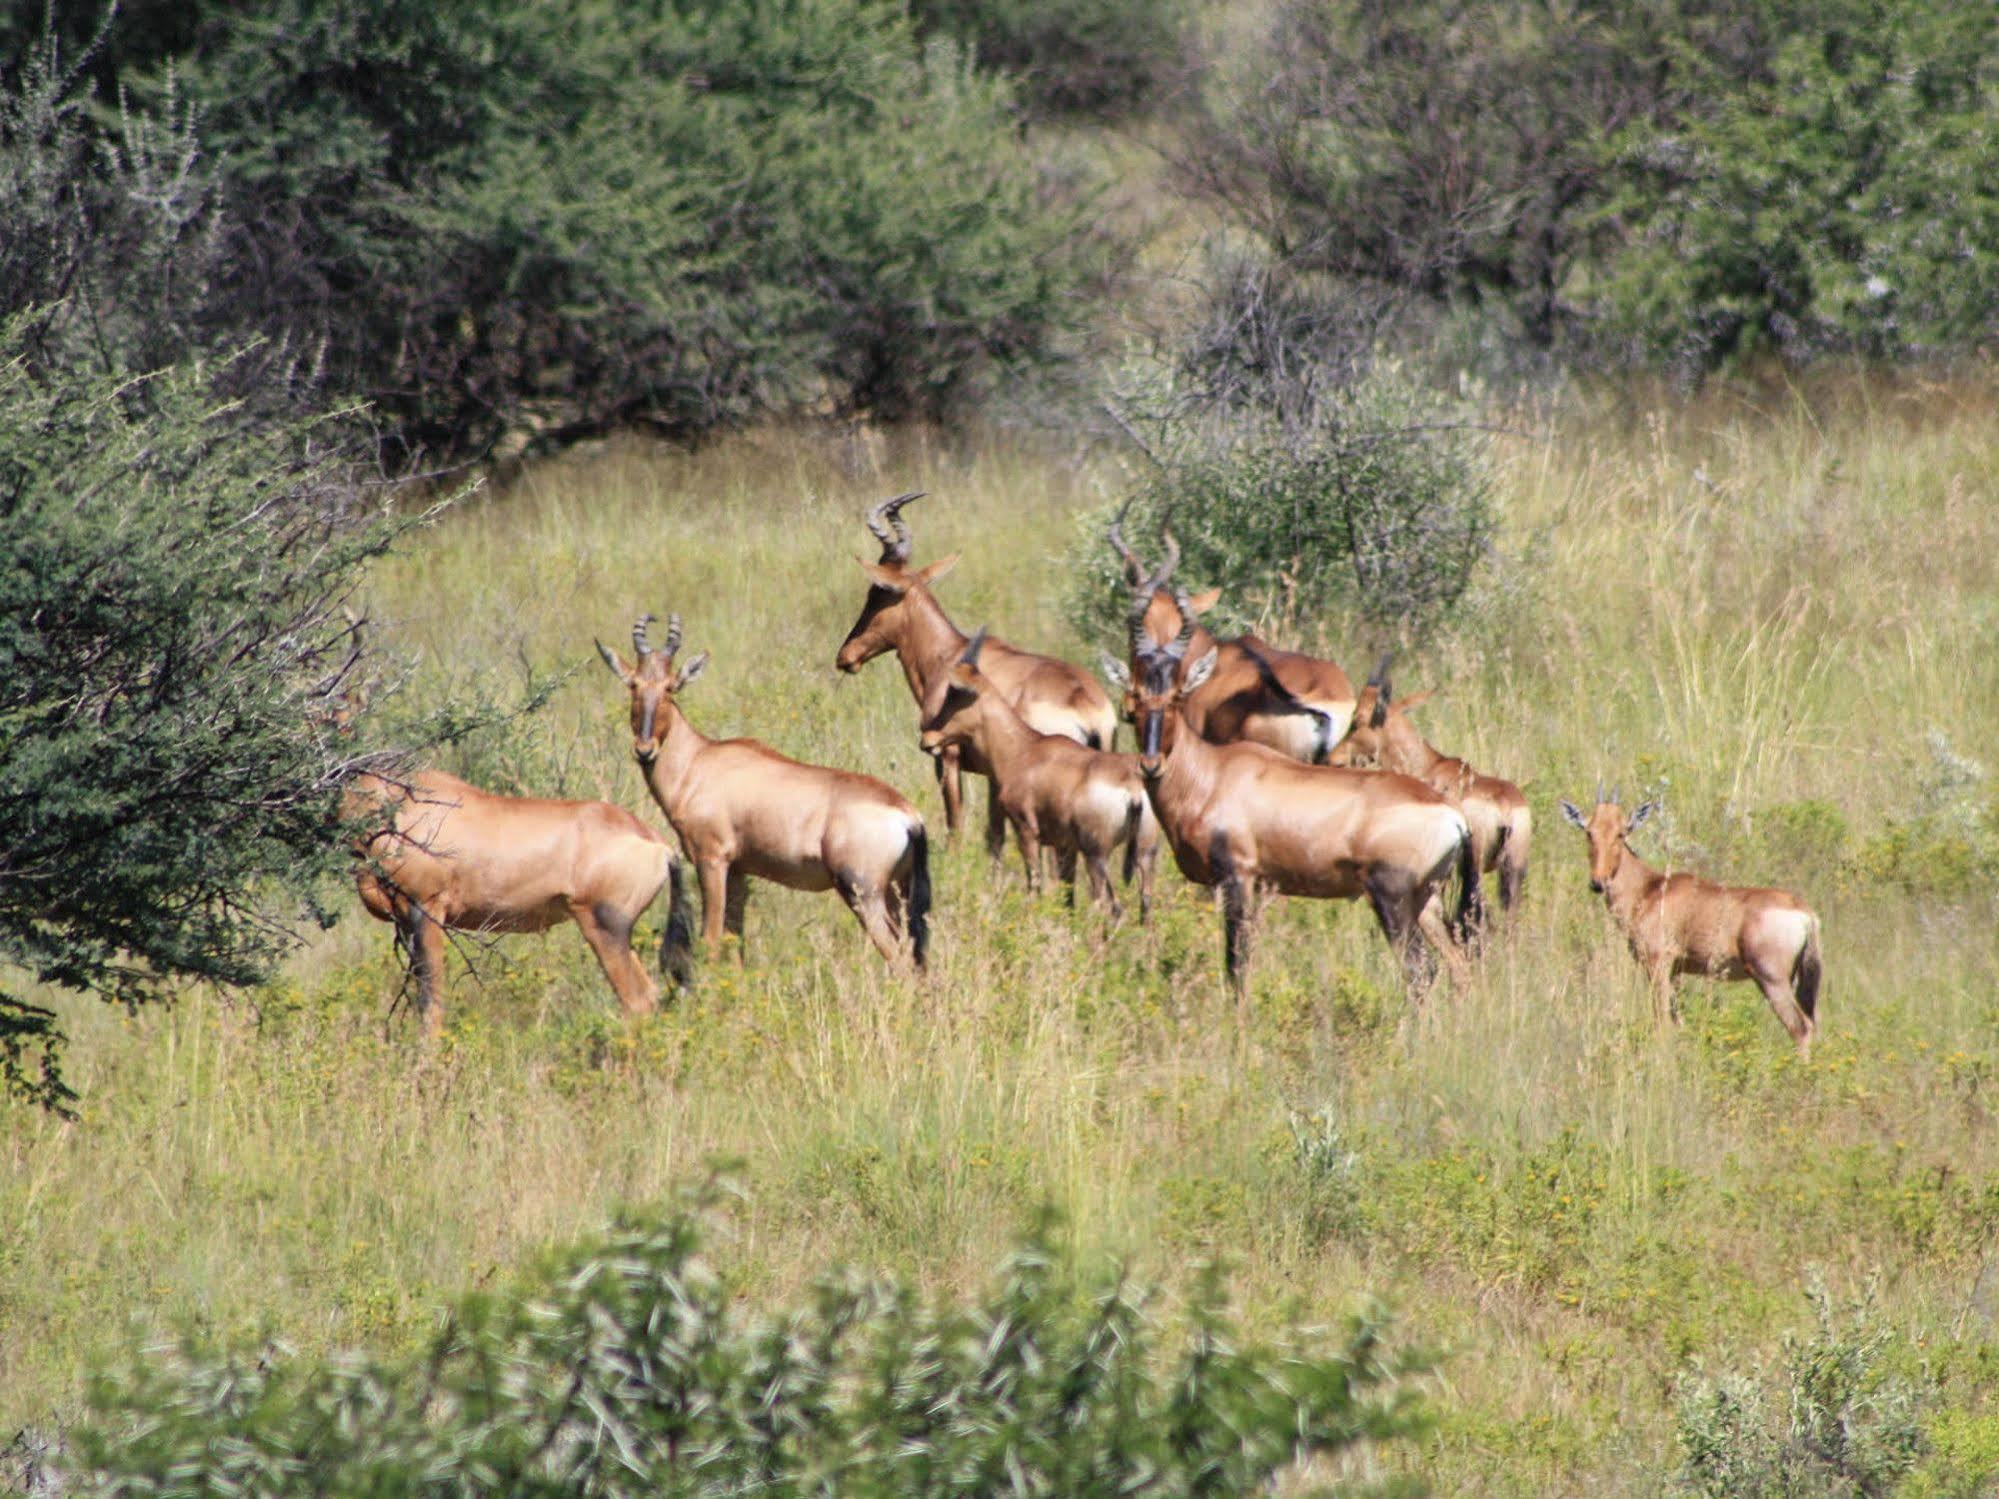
(1629, 881)
(927, 642)
(678, 748)
(1006, 736)
(1186, 766)
(1406, 751)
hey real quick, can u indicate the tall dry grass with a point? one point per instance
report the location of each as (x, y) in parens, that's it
(1779, 614)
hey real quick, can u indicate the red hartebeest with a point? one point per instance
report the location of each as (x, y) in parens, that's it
(1502, 827)
(742, 810)
(1058, 794)
(1248, 819)
(901, 614)
(455, 858)
(1298, 705)
(1680, 923)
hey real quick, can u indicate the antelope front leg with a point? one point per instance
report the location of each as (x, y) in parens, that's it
(735, 906)
(1029, 837)
(951, 784)
(996, 821)
(425, 939)
(714, 903)
(1662, 995)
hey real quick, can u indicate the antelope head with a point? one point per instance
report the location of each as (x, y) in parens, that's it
(1362, 745)
(890, 579)
(652, 679)
(951, 708)
(1166, 609)
(1156, 684)
(1608, 830)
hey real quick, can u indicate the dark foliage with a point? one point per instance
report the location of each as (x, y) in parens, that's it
(171, 571)
(1102, 58)
(529, 221)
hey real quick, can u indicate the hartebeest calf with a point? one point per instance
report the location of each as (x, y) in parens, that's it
(742, 810)
(1502, 827)
(1680, 923)
(901, 614)
(1250, 820)
(454, 858)
(1296, 704)
(1058, 794)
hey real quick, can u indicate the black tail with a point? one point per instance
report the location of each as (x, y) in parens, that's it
(676, 947)
(1806, 978)
(1134, 819)
(1471, 904)
(919, 895)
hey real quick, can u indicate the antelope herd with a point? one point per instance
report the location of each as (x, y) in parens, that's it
(1262, 770)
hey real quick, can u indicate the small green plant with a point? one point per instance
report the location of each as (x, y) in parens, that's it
(627, 1366)
(1837, 1417)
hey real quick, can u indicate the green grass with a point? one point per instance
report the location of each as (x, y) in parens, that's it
(1763, 613)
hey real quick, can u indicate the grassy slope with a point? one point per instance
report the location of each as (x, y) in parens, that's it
(1760, 613)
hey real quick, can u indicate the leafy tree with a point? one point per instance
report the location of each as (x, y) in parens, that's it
(541, 219)
(170, 575)
(1449, 148)
(627, 1366)
(1089, 57)
(1843, 196)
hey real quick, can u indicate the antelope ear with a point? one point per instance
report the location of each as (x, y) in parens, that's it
(618, 668)
(691, 670)
(1405, 704)
(895, 581)
(1115, 671)
(1200, 671)
(964, 674)
(1205, 600)
(1640, 814)
(936, 569)
(1570, 814)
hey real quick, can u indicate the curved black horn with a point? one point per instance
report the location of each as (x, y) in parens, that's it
(1134, 570)
(1185, 638)
(1380, 676)
(639, 634)
(896, 545)
(672, 646)
(1135, 622)
(973, 646)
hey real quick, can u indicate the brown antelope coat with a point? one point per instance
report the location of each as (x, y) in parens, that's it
(1250, 820)
(1502, 827)
(901, 614)
(1058, 794)
(744, 811)
(454, 858)
(1295, 704)
(1680, 923)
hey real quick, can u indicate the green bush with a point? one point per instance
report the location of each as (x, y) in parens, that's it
(1842, 196)
(628, 1366)
(531, 221)
(1100, 57)
(170, 645)
(1367, 499)
(1837, 1418)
